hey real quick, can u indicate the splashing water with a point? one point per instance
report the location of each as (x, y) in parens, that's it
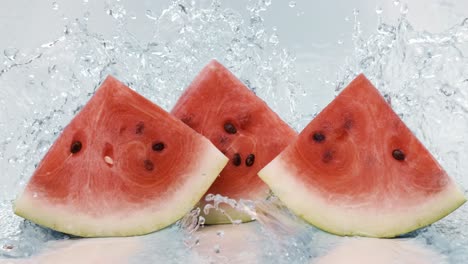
(68, 70)
(423, 75)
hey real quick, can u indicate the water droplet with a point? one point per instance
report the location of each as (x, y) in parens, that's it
(378, 10)
(10, 53)
(149, 14)
(216, 249)
(292, 4)
(404, 9)
(267, 2)
(207, 208)
(55, 5)
(340, 42)
(346, 18)
(220, 233)
(209, 197)
(237, 222)
(396, 2)
(86, 15)
(355, 12)
(35, 195)
(274, 39)
(201, 220)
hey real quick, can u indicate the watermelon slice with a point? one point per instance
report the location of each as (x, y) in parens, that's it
(356, 169)
(242, 126)
(122, 167)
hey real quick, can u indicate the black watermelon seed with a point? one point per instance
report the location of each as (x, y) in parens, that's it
(236, 159)
(149, 166)
(75, 147)
(230, 128)
(158, 146)
(249, 161)
(327, 156)
(318, 137)
(140, 127)
(398, 154)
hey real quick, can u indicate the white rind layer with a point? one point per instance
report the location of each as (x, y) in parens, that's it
(129, 222)
(311, 205)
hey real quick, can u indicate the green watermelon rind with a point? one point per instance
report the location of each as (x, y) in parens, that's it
(128, 223)
(309, 204)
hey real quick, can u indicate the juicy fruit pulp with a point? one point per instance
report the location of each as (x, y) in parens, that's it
(241, 125)
(116, 169)
(356, 169)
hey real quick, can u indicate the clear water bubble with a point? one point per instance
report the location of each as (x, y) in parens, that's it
(10, 53)
(378, 10)
(55, 6)
(201, 220)
(292, 4)
(355, 12)
(149, 14)
(404, 9)
(274, 39)
(86, 15)
(217, 249)
(396, 2)
(209, 197)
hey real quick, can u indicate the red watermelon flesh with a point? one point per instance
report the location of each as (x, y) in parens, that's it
(356, 169)
(241, 125)
(122, 167)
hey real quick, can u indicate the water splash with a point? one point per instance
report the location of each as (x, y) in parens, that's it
(57, 78)
(214, 202)
(69, 69)
(430, 94)
(424, 77)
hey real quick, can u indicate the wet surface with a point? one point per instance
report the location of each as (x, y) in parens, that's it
(415, 53)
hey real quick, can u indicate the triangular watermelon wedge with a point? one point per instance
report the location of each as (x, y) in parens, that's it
(242, 126)
(356, 169)
(122, 167)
